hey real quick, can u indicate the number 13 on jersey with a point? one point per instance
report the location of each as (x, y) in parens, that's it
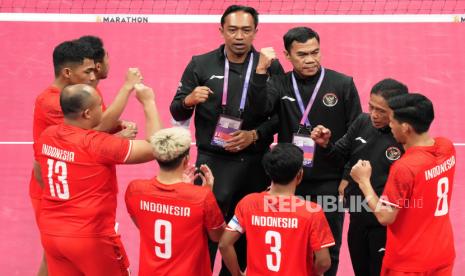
(59, 189)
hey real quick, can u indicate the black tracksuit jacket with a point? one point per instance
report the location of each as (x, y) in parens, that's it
(208, 70)
(336, 106)
(364, 141)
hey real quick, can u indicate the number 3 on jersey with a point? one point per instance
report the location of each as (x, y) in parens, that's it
(58, 168)
(273, 261)
(162, 236)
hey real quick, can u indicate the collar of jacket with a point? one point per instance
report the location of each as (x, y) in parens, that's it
(307, 80)
(222, 56)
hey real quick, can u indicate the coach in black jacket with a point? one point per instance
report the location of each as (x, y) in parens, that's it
(236, 166)
(368, 138)
(336, 104)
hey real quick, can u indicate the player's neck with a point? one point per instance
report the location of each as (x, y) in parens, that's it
(235, 58)
(60, 83)
(79, 123)
(419, 140)
(170, 177)
(284, 190)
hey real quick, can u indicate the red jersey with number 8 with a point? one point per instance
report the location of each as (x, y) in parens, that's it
(79, 176)
(420, 184)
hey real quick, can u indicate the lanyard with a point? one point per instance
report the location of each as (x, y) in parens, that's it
(246, 82)
(312, 99)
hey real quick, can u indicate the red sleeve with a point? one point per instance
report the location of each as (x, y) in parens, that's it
(109, 149)
(398, 186)
(128, 199)
(213, 217)
(104, 107)
(237, 223)
(320, 233)
(45, 115)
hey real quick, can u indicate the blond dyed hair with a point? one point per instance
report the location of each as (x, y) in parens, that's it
(170, 143)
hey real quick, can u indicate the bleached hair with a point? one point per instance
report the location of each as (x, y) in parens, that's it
(169, 143)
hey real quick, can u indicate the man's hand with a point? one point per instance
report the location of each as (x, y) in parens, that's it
(189, 174)
(267, 55)
(342, 186)
(321, 135)
(133, 77)
(199, 95)
(207, 177)
(129, 130)
(144, 94)
(361, 172)
(240, 140)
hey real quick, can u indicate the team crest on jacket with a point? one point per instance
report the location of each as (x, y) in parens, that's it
(393, 153)
(330, 99)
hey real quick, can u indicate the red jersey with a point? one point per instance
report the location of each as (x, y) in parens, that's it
(47, 112)
(282, 233)
(79, 175)
(173, 221)
(420, 184)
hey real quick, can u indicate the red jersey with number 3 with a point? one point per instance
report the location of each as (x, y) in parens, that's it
(47, 112)
(173, 221)
(420, 184)
(282, 233)
(79, 175)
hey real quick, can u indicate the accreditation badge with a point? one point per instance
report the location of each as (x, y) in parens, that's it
(307, 145)
(225, 126)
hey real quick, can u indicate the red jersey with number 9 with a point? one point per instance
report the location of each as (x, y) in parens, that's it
(282, 233)
(173, 221)
(420, 184)
(79, 175)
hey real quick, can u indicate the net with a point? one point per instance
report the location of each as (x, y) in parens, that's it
(288, 7)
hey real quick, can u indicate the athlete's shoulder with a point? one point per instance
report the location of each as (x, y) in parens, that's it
(48, 99)
(191, 192)
(207, 58)
(49, 132)
(139, 186)
(307, 209)
(335, 75)
(444, 145)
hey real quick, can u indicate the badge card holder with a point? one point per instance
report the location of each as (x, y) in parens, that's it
(226, 125)
(224, 128)
(307, 145)
(304, 141)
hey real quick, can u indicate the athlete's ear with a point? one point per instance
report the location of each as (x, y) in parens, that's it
(299, 176)
(66, 72)
(86, 113)
(185, 162)
(287, 55)
(406, 128)
(98, 67)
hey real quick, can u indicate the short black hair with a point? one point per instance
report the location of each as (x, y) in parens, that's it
(74, 102)
(414, 109)
(70, 53)
(96, 44)
(299, 34)
(283, 162)
(173, 164)
(235, 8)
(389, 88)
